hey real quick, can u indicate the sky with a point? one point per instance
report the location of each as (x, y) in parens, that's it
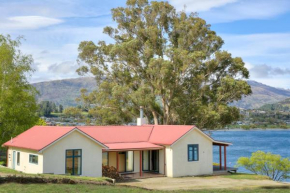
(256, 30)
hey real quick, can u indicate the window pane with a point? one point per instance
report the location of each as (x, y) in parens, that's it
(77, 152)
(195, 154)
(105, 160)
(18, 158)
(129, 161)
(69, 152)
(36, 159)
(77, 166)
(69, 166)
(190, 156)
(33, 159)
(145, 160)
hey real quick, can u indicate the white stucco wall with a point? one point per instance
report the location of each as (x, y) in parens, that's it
(24, 165)
(180, 164)
(54, 156)
(169, 161)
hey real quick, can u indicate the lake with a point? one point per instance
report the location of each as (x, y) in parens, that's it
(248, 141)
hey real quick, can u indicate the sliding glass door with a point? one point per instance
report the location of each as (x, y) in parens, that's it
(145, 160)
(126, 161)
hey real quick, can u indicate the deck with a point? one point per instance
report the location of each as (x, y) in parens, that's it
(136, 175)
(218, 171)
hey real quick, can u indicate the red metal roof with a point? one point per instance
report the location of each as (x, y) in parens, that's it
(118, 134)
(38, 137)
(168, 134)
(146, 136)
(132, 146)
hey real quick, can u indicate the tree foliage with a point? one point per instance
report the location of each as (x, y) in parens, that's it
(72, 112)
(271, 165)
(41, 122)
(48, 107)
(17, 97)
(169, 62)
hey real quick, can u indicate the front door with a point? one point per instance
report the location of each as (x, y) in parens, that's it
(13, 160)
(155, 160)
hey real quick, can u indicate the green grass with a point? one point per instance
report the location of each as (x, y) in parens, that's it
(12, 172)
(2, 162)
(57, 188)
(246, 176)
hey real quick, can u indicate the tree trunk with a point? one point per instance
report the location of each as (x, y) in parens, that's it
(155, 117)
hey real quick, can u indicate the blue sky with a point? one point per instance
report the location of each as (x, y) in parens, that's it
(256, 30)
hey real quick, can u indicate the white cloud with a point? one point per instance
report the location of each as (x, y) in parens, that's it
(260, 48)
(218, 11)
(248, 9)
(199, 5)
(28, 22)
(64, 68)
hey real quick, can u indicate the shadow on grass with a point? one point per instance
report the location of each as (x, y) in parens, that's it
(276, 187)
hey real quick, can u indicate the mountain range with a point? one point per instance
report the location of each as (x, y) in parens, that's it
(66, 91)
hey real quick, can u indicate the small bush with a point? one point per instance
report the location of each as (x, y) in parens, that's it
(111, 172)
(271, 165)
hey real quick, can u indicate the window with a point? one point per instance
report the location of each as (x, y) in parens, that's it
(18, 158)
(105, 159)
(73, 162)
(193, 152)
(33, 159)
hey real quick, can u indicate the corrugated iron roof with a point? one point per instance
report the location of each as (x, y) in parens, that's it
(115, 137)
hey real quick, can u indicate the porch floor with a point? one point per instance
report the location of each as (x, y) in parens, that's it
(218, 171)
(144, 175)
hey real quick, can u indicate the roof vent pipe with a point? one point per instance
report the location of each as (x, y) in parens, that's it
(141, 112)
(141, 120)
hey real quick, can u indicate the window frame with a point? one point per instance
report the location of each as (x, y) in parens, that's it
(73, 160)
(30, 159)
(18, 158)
(107, 158)
(188, 152)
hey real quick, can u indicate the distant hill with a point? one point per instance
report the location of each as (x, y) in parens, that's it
(279, 106)
(262, 94)
(64, 91)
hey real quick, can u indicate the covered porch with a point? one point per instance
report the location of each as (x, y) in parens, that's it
(138, 160)
(222, 168)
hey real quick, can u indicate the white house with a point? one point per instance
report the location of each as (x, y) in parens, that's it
(169, 150)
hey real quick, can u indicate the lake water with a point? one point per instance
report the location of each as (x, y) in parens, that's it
(247, 142)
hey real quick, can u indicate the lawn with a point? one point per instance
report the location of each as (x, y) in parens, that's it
(246, 176)
(23, 188)
(82, 187)
(8, 171)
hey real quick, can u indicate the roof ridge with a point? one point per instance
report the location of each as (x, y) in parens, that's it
(151, 132)
(126, 142)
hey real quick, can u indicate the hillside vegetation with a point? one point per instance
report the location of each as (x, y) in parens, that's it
(66, 91)
(279, 106)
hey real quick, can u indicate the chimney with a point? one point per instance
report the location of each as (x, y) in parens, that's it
(141, 121)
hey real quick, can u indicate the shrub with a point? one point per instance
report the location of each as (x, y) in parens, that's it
(271, 165)
(111, 172)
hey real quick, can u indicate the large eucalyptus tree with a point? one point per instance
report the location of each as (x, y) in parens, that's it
(167, 61)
